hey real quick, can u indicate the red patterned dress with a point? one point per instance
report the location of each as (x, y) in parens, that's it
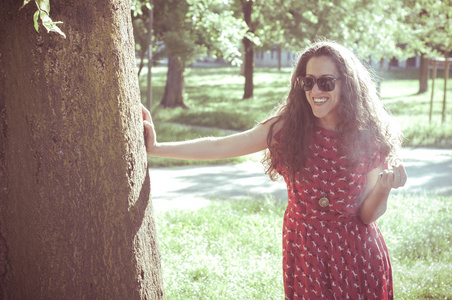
(328, 252)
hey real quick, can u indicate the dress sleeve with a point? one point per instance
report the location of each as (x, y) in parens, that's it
(375, 160)
(265, 121)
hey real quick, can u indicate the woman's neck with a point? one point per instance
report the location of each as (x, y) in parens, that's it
(329, 125)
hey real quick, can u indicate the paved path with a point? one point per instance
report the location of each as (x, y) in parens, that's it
(193, 187)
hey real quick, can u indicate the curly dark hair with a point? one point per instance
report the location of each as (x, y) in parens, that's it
(364, 119)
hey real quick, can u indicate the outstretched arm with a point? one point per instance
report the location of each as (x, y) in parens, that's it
(234, 145)
(379, 185)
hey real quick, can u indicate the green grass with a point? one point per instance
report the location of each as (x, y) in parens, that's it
(214, 97)
(411, 110)
(232, 248)
(228, 250)
(418, 231)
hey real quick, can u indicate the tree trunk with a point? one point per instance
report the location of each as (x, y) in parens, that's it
(423, 74)
(249, 68)
(140, 67)
(150, 58)
(380, 74)
(446, 77)
(249, 51)
(174, 89)
(76, 220)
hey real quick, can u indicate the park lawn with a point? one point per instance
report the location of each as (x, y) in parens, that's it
(232, 248)
(214, 97)
(411, 110)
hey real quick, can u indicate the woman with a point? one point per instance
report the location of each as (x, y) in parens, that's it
(332, 142)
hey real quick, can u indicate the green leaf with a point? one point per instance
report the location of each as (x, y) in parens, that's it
(57, 29)
(25, 3)
(43, 14)
(308, 15)
(43, 5)
(35, 20)
(49, 24)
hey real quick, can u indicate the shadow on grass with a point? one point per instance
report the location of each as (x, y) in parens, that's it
(401, 96)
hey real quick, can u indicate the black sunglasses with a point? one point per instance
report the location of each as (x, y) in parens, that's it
(326, 84)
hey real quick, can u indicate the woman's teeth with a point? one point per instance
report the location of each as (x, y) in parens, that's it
(320, 100)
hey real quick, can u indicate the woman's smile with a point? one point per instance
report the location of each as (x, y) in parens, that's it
(320, 100)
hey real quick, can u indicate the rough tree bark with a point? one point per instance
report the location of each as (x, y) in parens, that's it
(174, 88)
(76, 220)
(248, 46)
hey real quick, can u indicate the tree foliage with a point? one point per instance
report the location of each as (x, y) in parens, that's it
(377, 29)
(371, 28)
(218, 31)
(192, 28)
(429, 25)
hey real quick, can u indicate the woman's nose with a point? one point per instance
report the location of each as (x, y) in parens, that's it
(316, 88)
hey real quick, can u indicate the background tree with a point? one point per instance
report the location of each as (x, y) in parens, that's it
(269, 25)
(186, 29)
(371, 28)
(429, 26)
(141, 18)
(250, 13)
(292, 25)
(76, 219)
(378, 29)
(143, 21)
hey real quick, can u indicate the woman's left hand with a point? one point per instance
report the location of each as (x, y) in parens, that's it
(393, 177)
(150, 139)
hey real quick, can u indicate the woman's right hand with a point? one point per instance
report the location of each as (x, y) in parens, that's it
(150, 139)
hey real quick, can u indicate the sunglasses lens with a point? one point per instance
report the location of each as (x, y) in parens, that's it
(326, 84)
(307, 83)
